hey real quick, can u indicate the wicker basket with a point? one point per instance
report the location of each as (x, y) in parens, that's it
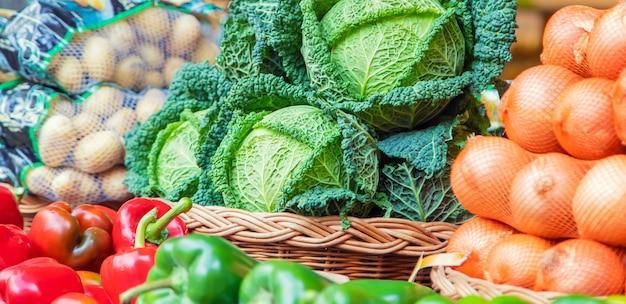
(455, 285)
(379, 248)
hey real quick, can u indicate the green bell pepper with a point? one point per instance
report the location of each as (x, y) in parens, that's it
(370, 291)
(577, 299)
(280, 282)
(195, 268)
(436, 299)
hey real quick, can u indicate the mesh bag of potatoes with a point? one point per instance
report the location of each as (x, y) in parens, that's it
(134, 47)
(74, 186)
(87, 133)
(78, 143)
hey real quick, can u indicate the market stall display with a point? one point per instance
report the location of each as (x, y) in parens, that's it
(330, 152)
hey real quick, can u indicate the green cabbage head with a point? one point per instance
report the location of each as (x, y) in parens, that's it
(396, 64)
(377, 46)
(297, 158)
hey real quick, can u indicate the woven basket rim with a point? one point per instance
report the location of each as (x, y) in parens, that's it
(375, 235)
(455, 285)
(372, 236)
(375, 248)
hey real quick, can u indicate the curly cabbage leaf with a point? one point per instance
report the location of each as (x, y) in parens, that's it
(287, 159)
(375, 60)
(195, 87)
(416, 172)
(418, 185)
(263, 37)
(414, 196)
(172, 167)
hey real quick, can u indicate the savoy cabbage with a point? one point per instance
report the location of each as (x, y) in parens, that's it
(397, 64)
(321, 107)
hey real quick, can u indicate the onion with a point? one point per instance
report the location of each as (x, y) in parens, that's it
(599, 204)
(482, 173)
(528, 104)
(565, 38)
(607, 43)
(542, 193)
(515, 260)
(580, 266)
(583, 120)
(475, 238)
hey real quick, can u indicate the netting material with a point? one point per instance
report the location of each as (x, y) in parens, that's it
(88, 134)
(81, 145)
(76, 187)
(527, 106)
(142, 50)
(565, 38)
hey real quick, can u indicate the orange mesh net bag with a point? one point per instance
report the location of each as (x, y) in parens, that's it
(564, 213)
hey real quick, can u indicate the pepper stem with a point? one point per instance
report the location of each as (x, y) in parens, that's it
(142, 226)
(127, 296)
(156, 232)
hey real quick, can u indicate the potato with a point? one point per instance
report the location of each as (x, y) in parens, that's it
(155, 93)
(129, 72)
(206, 50)
(111, 184)
(99, 58)
(103, 102)
(61, 105)
(121, 35)
(152, 24)
(185, 32)
(86, 123)
(78, 40)
(150, 103)
(171, 66)
(98, 152)
(69, 74)
(37, 180)
(152, 54)
(121, 121)
(53, 62)
(55, 139)
(153, 78)
(75, 187)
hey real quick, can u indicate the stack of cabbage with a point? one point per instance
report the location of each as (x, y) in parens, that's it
(350, 107)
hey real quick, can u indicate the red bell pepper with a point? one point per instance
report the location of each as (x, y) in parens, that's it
(9, 210)
(74, 298)
(17, 247)
(129, 268)
(98, 293)
(109, 211)
(89, 277)
(92, 283)
(167, 225)
(38, 280)
(77, 238)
